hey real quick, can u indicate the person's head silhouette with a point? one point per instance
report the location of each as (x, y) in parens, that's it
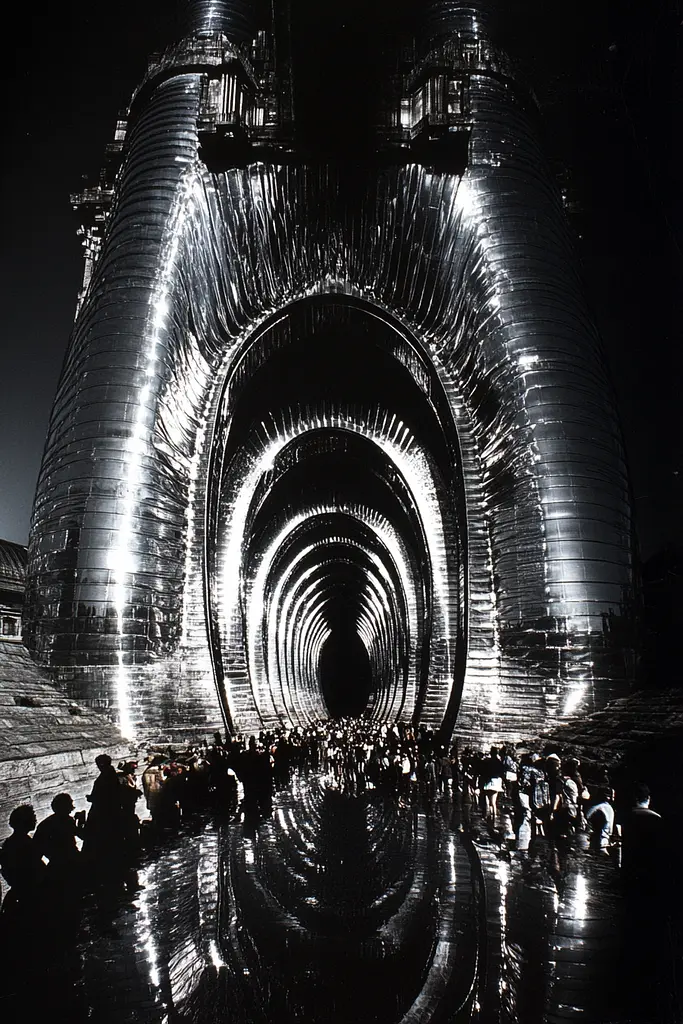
(62, 805)
(23, 819)
(641, 795)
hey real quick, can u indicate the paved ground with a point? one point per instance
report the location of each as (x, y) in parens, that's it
(343, 909)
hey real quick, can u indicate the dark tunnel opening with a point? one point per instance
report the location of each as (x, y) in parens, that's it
(345, 673)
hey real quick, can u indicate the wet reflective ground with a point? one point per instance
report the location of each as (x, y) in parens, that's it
(352, 909)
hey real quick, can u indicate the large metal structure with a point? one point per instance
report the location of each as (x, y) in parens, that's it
(331, 433)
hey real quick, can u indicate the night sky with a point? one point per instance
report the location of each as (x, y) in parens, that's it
(608, 81)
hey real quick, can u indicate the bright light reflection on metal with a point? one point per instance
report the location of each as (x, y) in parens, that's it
(216, 958)
(145, 932)
(579, 901)
(575, 698)
(122, 560)
(451, 858)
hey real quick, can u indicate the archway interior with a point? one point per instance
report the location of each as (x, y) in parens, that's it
(345, 672)
(337, 366)
(335, 445)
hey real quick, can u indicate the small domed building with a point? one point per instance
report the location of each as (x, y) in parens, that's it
(12, 584)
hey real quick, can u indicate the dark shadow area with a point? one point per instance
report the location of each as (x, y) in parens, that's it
(345, 674)
(662, 618)
(342, 360)
(608, 86)
(341, 55)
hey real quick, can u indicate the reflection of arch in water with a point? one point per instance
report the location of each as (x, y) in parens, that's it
(467, 279)
(246, 911)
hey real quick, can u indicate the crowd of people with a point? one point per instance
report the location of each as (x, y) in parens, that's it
(523, 793)
(544, 794)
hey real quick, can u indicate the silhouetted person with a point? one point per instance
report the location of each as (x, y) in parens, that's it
(22, 865)
(219, 762)
(491, 781)
(248, 773)
(256, 776)
(282, 762)
(168, 814)
(129, 796)
(644, 855)
(104, 826)
(552, 766)
(647, 873)
(55, 838)
(567, 804)
(196, 785)
(152, 784)
(429, 777)
(532, 797)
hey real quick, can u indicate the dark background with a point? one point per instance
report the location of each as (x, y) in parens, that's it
(607, 78)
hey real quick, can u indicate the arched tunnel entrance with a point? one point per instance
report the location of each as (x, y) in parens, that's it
(336, 554)
(299, 294)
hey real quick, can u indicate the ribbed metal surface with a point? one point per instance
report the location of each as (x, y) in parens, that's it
(235, 18)
(449, 18)
(478, 271)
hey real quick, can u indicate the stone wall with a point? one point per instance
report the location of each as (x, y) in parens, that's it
(48, 743)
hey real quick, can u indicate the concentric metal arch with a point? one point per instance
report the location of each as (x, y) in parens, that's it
(393, 628)
(240, 491)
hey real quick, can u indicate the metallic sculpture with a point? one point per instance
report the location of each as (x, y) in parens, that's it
(463, 504)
